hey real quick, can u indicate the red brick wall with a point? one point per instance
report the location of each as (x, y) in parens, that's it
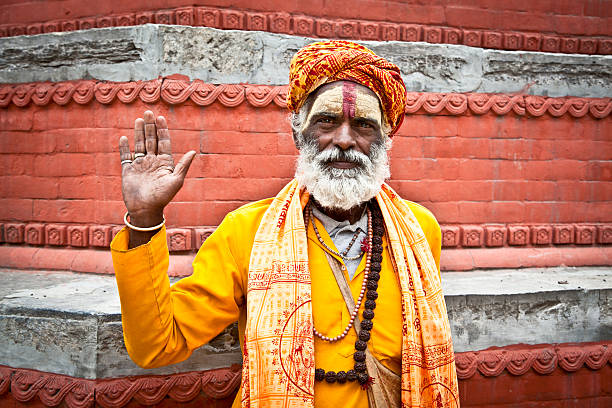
(591, 17)
(60, 163)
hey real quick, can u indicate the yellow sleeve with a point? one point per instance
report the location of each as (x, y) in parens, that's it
(162, 324)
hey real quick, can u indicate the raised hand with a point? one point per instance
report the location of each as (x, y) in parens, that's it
(149, 178)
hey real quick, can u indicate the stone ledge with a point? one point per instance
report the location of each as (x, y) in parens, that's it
(69, 324)
(218, 56)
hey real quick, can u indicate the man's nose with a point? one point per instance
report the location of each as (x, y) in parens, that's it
(343, 137)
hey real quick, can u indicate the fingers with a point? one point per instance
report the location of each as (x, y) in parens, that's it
(124, 150)
(139, 137)
(150, 133)
(163, 136)
(183, 165)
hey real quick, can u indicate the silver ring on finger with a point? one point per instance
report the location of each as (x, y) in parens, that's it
(137, 155)
(125, 161)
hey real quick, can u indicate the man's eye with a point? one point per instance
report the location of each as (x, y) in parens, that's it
(324, 120)
(364, 125)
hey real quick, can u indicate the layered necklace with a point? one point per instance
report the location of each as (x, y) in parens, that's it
(373, 249)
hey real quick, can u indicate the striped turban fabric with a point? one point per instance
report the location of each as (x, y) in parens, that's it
(328, 61)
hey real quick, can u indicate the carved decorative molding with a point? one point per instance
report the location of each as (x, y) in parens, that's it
(190, 239)
(54, 389)
(543, 359)
(175, 91)
(297, 24)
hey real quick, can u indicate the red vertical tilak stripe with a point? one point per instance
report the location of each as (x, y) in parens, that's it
(349, 97)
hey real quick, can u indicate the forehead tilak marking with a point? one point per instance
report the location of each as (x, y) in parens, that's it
(349, 97)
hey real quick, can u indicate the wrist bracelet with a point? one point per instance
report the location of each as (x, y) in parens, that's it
(143, 229)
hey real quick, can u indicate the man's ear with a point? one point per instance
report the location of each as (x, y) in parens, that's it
(296, 139)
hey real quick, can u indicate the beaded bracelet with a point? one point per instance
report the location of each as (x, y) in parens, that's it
(143, 229)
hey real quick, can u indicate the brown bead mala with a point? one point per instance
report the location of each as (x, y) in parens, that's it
(359, 372)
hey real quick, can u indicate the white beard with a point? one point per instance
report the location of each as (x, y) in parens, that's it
(342, 188)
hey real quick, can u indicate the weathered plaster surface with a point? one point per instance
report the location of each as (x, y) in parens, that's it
(216, 56)
(70, 323)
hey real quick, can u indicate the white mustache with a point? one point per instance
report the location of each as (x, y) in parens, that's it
(337, 154)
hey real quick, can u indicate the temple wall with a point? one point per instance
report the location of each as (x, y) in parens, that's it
(550, 26)
(507, 138)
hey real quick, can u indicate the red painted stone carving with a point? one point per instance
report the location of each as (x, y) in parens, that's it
(164, 17)
(303, 25)
(33, 29)
(125, 20)
(518, 235)
(452, 36)
(369, 31)
(53, 389)
(324, 28)
(585, 234)
(541, 234)
(179, 239)
(144, 18)
(390, 32)
(605, 47)
(492, 39)
(347, 29)
(280, 23)
(450, 235)
(513, 41)
(232, 20)
(174, 91)
(471, 236)
(532, 41)
(105, 22)
(604, 234)
(432, 35)
(411, 32)
(563, 234)
(99, 236)
(467, 236)
(314, 26)
(184, 16)
(60, 390)
(569, 45)
(13, 233)
(35, 234)
(495, 235)
(551, 44)
(78, 235)
(55, 234)
(208, 17)
(256, 22)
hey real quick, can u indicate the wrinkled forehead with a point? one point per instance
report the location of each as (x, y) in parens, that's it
(347, 99)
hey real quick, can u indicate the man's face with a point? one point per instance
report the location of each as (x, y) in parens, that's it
(345, 115)
(343, 157)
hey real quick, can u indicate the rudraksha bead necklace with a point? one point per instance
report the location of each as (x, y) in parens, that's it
(371, 277)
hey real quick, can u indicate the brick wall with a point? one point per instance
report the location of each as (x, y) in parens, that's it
(60, 163)
(591, 17)
(560, 26)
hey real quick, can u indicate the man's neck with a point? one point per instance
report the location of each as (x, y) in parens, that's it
(352, 216)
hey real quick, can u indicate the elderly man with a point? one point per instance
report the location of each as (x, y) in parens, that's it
(334, 282)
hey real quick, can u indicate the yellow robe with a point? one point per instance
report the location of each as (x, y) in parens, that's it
(163, 325)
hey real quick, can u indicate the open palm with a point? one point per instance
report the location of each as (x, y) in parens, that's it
(149, 177)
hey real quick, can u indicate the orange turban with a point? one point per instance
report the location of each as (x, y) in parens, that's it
(328, 61)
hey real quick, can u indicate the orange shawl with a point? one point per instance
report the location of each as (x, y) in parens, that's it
(278, 364)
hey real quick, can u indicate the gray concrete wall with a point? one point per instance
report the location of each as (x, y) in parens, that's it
(70, 324)
(215, 56)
